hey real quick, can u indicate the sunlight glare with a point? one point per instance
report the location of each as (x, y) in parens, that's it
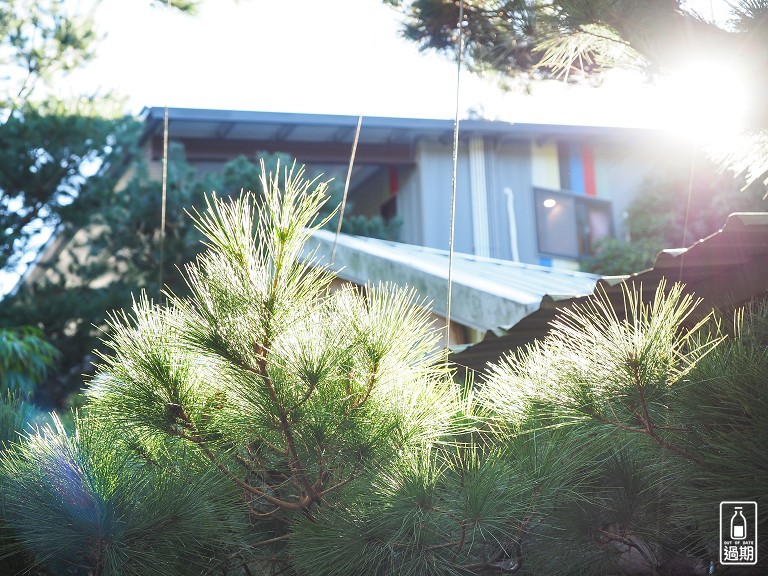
(704, 101)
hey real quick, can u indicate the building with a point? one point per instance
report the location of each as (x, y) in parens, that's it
(533, 193)
(531, 199)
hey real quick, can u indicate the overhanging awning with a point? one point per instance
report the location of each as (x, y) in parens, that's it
(487, 293)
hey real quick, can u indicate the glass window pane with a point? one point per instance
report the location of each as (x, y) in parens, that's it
(556, 224)
(598, 225)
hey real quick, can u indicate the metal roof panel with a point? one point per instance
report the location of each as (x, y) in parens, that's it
(487, 293)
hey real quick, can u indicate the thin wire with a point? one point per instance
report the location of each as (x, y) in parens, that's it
(346, 187)
(360, 86)
(164, 196)
(663, 453)
(163, 200)
(687, 212)
(453, 178)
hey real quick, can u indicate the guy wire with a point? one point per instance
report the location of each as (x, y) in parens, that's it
(163, 202)
(687, 211)
(164, 195)
(346, 187)
(453, 178)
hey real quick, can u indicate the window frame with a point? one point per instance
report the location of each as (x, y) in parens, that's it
(581, 208)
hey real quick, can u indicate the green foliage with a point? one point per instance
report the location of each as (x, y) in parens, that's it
(574, 38)
(40, 39)
(119, 254)
(243, 174)
(86, 504)
(47, 149)
(119, 251)
(610, 371)
(459, 508)
(261, 423)
(665, 420)
(566, 38)
(50, 150)
(15, 415)
(25, 358)
(49, 144)
(122, 243)
(426, 515)
(674, 212)
(297, 395)
(726, 405)
(375, 227)
(11, 418)
(616, 257)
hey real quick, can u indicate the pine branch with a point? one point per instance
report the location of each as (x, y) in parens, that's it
(369, 388)
(303, 400)
(269, 541)
(194, 437)
(341, 484)
(647, 421)
(200, 443)
(294, 461)
(630, 544)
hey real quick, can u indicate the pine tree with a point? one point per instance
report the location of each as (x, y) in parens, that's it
(266, 423)
(118, 250)
(294, 395)
(663, 417)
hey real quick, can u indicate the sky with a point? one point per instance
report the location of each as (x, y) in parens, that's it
(332, 56)
(318, 56)
(335, 57)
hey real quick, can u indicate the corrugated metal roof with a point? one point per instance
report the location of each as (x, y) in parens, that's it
(726, 270)
(487, 293)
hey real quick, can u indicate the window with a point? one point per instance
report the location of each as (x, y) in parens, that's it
(570, 225)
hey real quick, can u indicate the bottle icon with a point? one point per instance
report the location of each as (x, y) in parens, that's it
(738, 525)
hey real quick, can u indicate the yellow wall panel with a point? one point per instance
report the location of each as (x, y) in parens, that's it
(545, 166)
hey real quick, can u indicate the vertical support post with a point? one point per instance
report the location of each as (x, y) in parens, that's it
(479, 195)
